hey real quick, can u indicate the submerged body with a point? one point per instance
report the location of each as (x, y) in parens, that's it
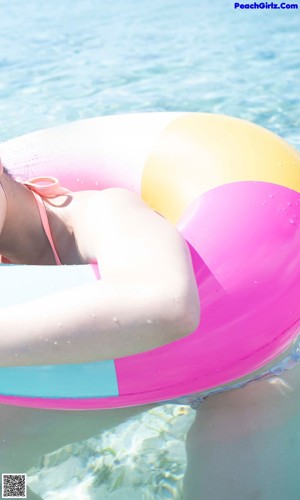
(245, 443)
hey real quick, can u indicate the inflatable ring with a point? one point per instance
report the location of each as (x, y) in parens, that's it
(232, 189)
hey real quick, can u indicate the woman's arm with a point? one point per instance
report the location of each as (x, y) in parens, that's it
(102, 320)
(147, 296)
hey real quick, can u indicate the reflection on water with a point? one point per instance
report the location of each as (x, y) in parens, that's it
(143, 459)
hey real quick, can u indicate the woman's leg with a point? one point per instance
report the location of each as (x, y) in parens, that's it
(245, 443)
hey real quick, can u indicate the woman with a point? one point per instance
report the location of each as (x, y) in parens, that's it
(145, 266)
(147, 297)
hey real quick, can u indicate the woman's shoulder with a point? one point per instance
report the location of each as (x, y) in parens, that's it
(116, 219)
(106, 218)
(114, 201)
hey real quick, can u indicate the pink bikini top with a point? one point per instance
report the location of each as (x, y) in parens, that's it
(44, 187)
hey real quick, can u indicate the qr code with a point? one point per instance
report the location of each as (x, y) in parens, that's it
(14, 485)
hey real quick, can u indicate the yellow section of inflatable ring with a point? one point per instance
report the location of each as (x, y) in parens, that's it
(200, 151)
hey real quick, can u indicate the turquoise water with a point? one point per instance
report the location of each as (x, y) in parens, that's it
(67, 60)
